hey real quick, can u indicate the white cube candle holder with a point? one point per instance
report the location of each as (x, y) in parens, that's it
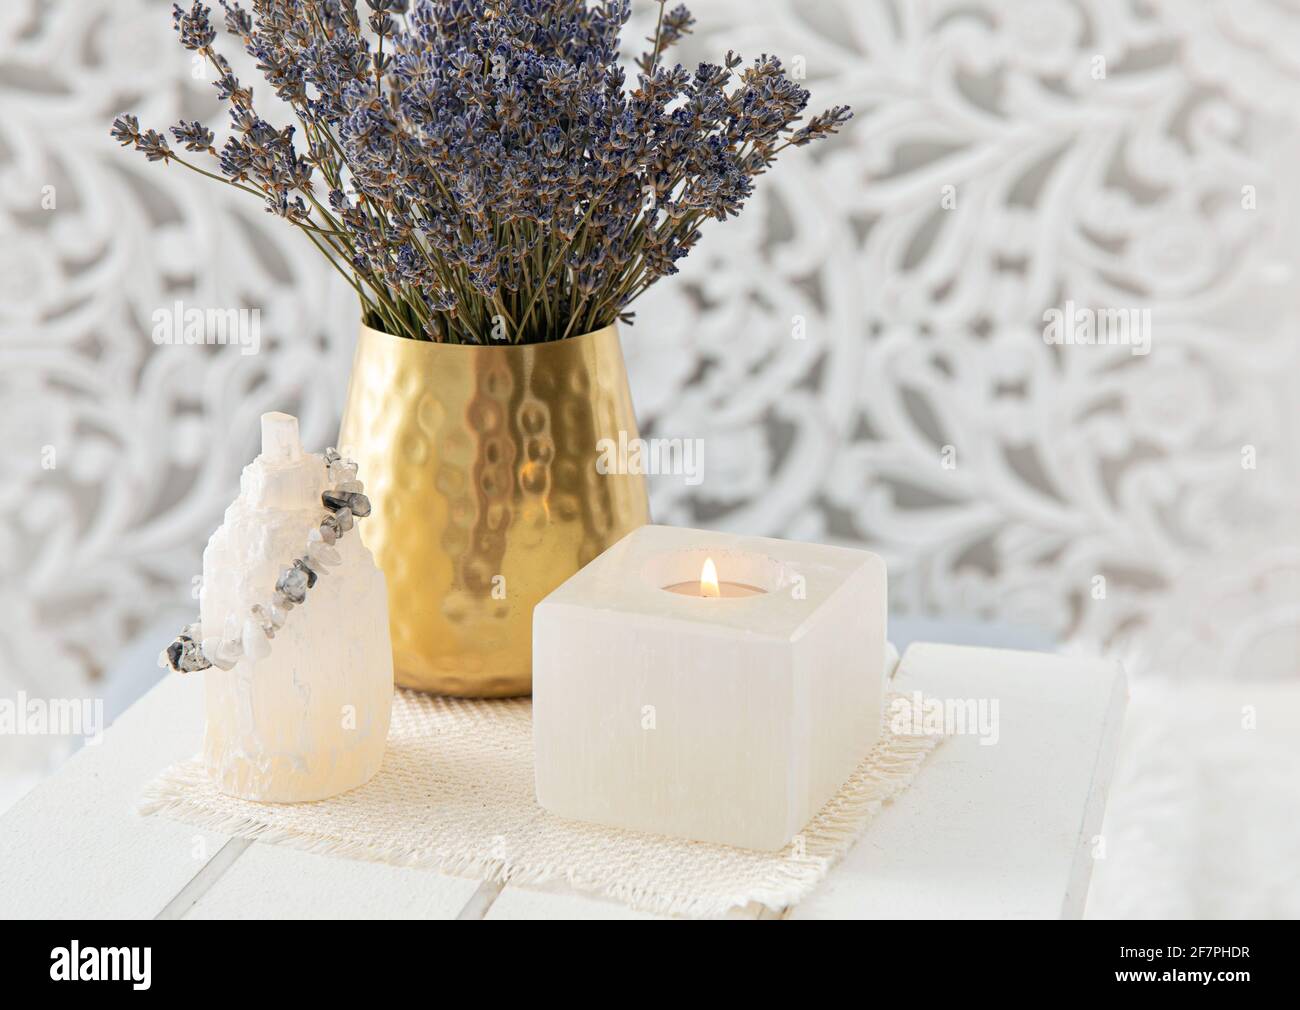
(727, 720)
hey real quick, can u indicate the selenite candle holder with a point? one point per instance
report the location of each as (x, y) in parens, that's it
(724, 715)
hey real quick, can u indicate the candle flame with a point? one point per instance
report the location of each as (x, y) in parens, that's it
(709, 579)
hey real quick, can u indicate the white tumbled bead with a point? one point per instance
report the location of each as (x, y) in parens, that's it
(342, 470)
(256, 644)
(218, 653)
(323, 554)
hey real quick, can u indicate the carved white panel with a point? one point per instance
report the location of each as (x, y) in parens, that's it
(1006, 157)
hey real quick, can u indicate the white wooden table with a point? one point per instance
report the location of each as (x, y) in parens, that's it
(984, 831)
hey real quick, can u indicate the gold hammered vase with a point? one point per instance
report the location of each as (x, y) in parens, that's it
(480, 464)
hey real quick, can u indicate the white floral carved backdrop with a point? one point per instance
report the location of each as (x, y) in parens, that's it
(862, 351)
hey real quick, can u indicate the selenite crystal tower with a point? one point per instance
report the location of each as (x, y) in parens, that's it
(304, 714)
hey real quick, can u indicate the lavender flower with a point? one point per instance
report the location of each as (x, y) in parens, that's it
(486, 164)
(126, 130)
(672, 26)
(195, 27)
(195, 136)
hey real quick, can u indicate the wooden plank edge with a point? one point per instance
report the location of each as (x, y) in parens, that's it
(207, 876)
(1103, 774)
(481, 900)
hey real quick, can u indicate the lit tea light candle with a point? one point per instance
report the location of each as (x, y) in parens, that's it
(711, 588)
(709, 721)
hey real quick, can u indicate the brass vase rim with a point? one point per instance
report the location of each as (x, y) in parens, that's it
(611, 328)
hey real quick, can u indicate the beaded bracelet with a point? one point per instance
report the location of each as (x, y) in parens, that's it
(190, 651)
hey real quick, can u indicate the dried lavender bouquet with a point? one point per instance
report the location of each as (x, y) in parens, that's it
(487, 173)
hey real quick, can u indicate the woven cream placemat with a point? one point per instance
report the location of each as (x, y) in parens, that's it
(455, 794)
